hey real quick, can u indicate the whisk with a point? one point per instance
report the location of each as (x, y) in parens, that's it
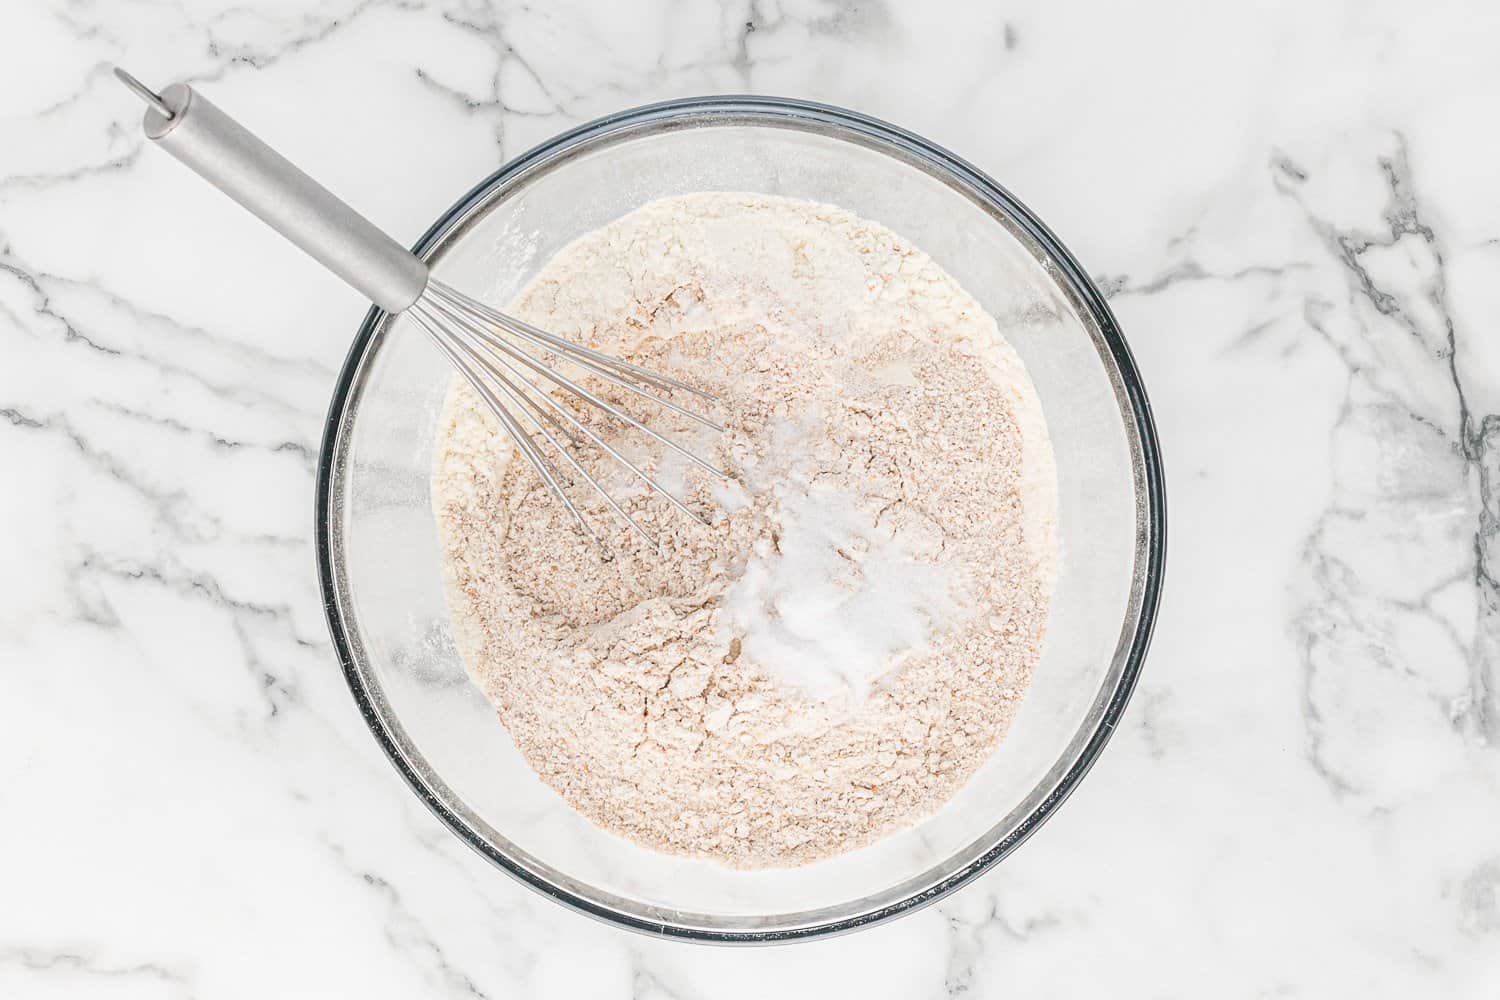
(511, 365)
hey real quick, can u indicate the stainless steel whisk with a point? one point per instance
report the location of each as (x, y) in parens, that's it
(501, 357)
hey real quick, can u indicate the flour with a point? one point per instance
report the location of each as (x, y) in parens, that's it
(836, 653)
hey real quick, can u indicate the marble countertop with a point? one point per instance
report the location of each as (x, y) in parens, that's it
(1294, 211)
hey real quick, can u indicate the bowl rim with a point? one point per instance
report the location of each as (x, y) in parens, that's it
(845, 124)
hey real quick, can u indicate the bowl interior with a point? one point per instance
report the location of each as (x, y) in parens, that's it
(383, 565)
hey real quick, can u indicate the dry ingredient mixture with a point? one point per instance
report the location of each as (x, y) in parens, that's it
(841, 648)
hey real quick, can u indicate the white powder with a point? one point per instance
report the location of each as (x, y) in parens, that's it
(837, 600)
(840, 650)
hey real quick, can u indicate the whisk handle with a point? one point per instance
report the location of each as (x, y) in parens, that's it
(227, 155)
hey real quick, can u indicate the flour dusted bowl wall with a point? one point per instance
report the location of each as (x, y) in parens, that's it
(381, 564)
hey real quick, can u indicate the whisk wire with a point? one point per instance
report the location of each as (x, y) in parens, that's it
(512, 427)
(514, 393)
(563, 382)
(495, 357)
(524, 329)
(483, 316)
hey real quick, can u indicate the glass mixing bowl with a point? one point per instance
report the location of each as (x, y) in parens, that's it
(381, 572)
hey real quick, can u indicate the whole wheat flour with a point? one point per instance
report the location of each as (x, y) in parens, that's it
(837, 652)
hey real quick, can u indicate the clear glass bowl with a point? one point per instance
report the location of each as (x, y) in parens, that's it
(379, 557)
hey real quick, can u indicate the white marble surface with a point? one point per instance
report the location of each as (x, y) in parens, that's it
(1294, 208)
